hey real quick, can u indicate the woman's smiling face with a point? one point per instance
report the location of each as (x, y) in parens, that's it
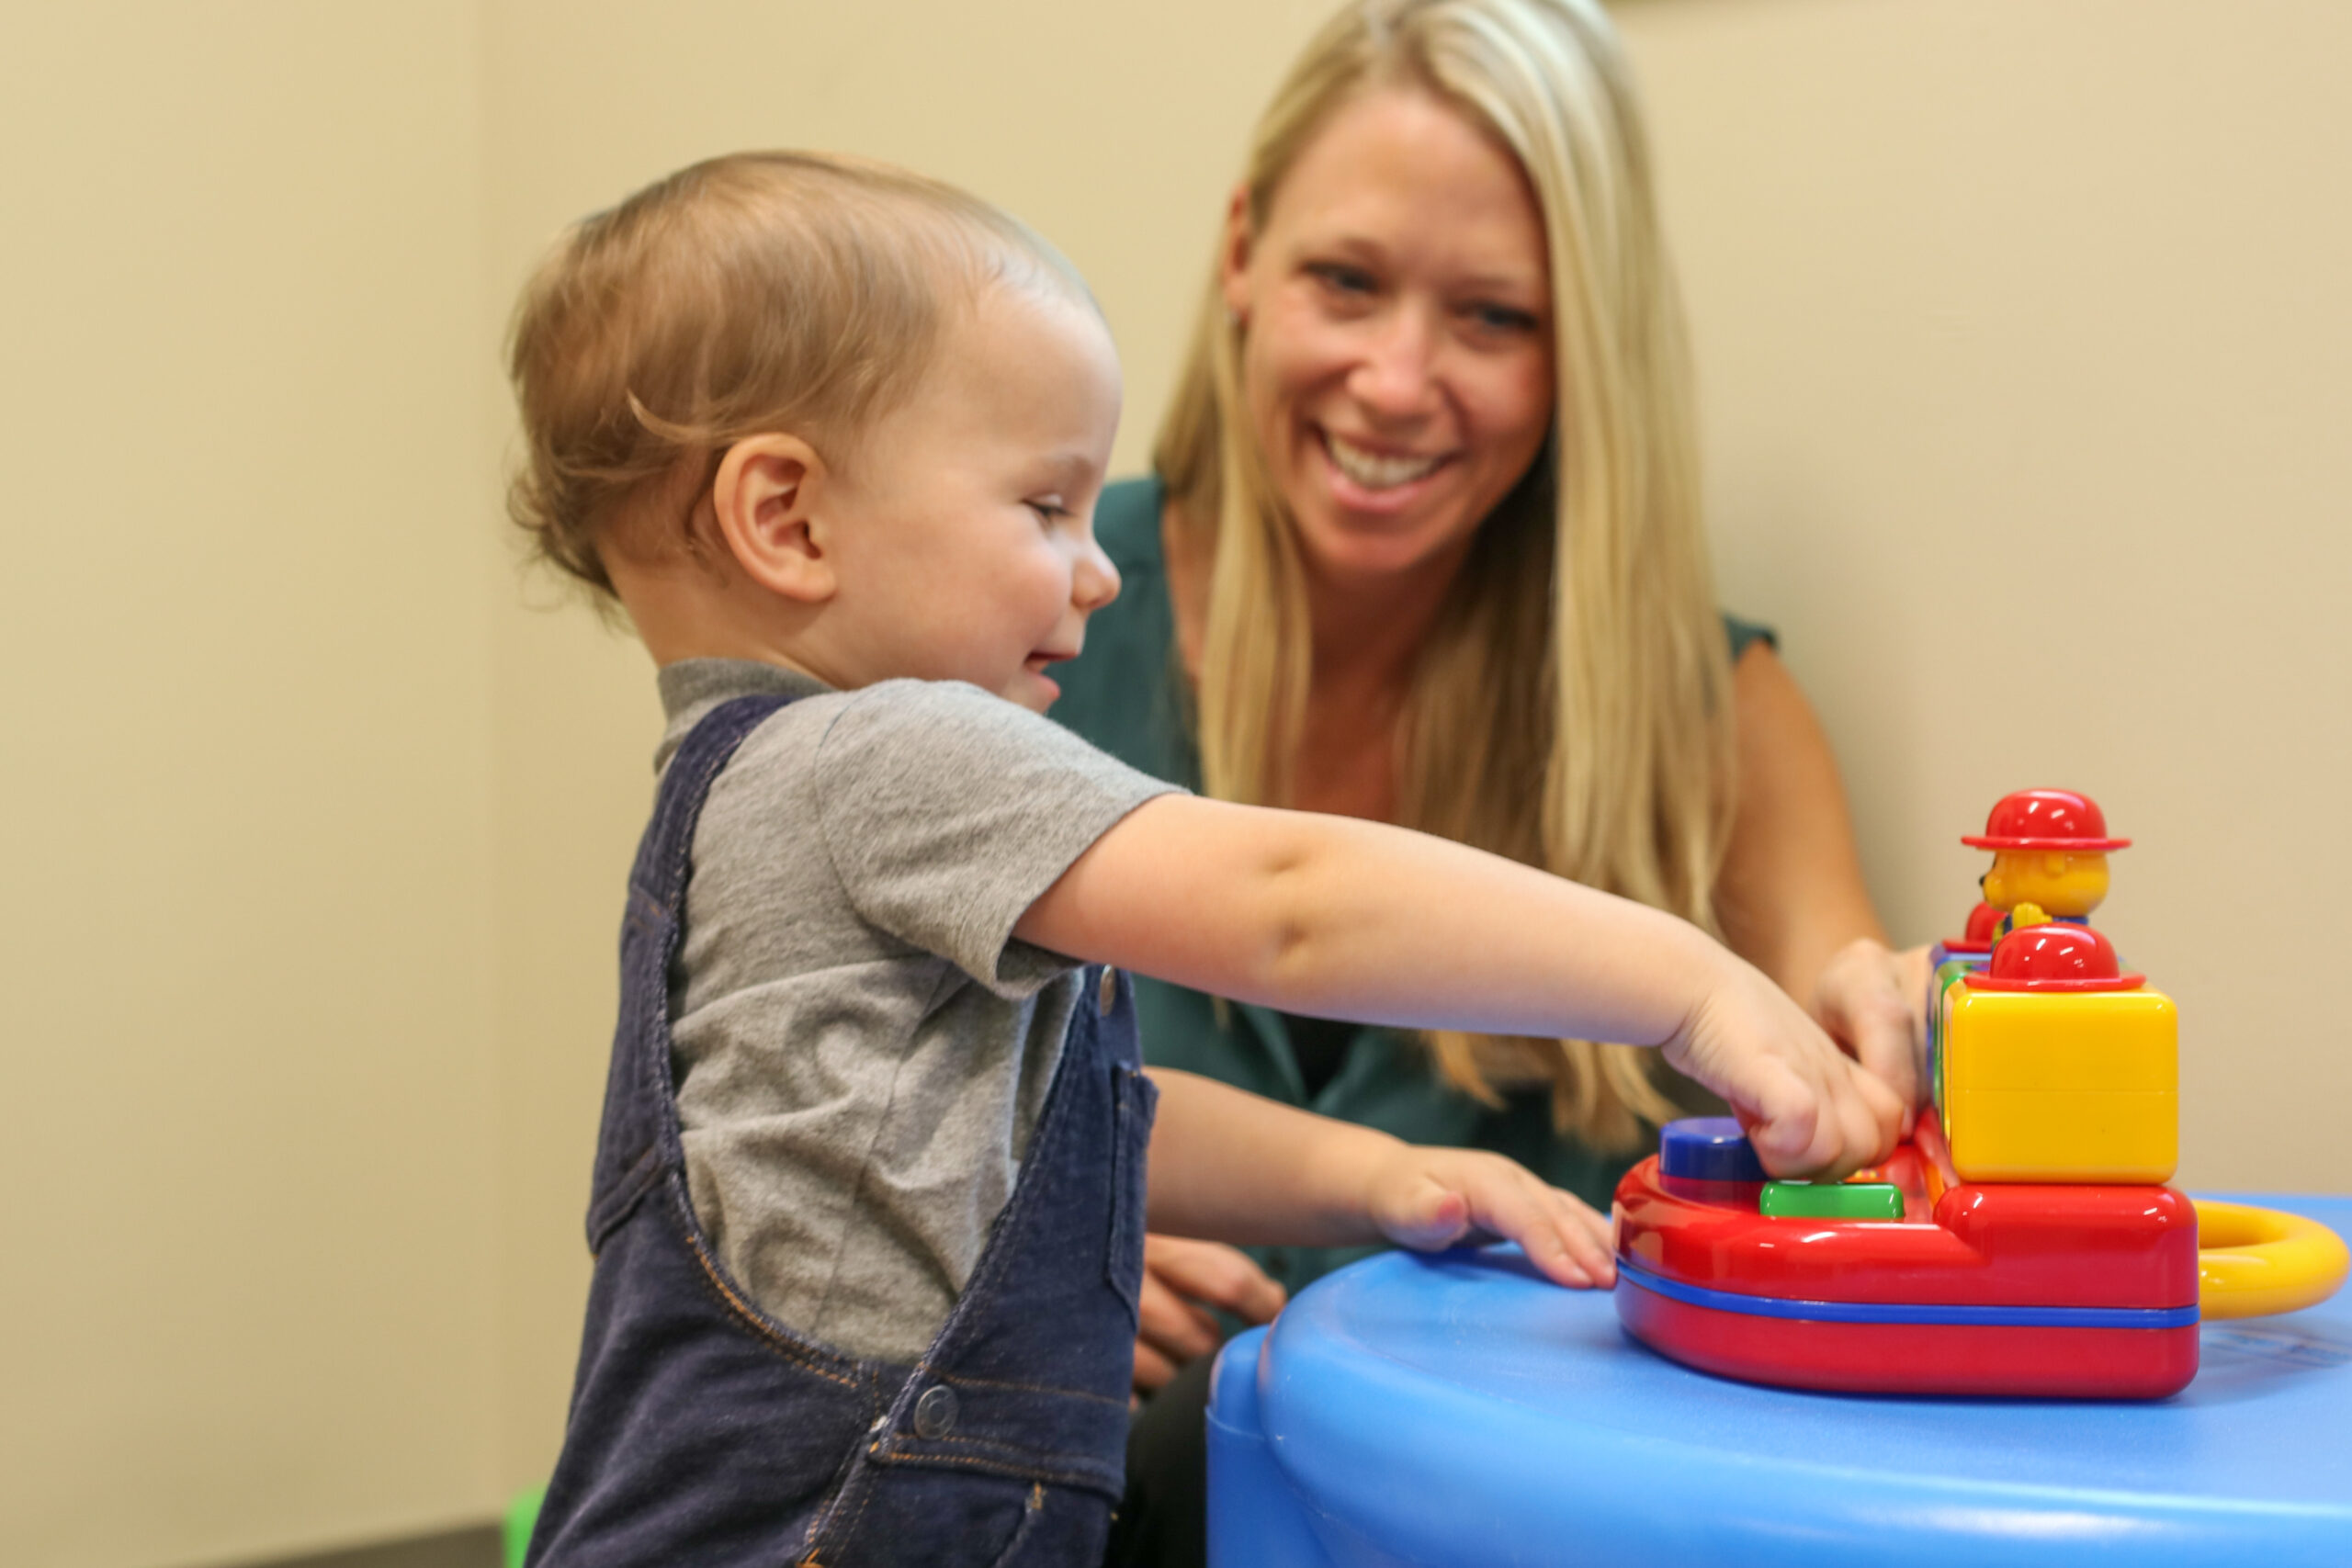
(1397, 353)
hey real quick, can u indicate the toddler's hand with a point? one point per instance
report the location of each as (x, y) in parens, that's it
(1809, 1109)
(1432, 1197)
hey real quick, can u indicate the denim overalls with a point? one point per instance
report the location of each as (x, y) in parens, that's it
(703, 1432)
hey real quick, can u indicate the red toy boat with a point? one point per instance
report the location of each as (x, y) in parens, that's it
(1979, 1289)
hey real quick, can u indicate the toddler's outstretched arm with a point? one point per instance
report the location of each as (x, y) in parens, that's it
(1328, 916)
(1229, 1165)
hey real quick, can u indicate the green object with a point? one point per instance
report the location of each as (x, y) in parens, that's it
(1948, 975)
(522, 1514)
(1831, 1201)
(1124, 695)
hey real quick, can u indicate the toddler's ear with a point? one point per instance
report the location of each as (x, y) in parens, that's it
(765, 498)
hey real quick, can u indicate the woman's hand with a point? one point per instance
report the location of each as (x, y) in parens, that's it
(1873, 1003)
(1184, 1283)
(1809, 1109)
(1791, 897)
(1432, 1198)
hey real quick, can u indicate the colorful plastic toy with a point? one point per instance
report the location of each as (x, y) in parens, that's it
(1977, 941)
(2022, 1242)
(2049, 849)
(1975, 1289)
(1947, 962)
(2058, 1067)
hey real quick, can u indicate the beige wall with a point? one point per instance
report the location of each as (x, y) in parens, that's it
(2029, 368)
(249, 1197)
(316, 828)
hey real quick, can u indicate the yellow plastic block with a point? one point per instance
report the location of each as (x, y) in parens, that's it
(2070, 1086)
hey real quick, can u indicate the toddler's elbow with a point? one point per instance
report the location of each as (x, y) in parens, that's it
(1290, 941)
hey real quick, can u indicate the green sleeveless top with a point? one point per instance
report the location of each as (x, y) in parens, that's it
(1127, 695)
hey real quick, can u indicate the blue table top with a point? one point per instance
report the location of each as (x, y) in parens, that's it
(1461, 1409)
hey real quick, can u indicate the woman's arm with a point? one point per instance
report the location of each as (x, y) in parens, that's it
(1790, 898)
(1343, 918)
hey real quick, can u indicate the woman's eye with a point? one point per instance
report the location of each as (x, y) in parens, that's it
(1339, 278)
(1503, 318)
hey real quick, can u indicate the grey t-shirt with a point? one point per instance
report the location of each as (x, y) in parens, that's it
(862, 1046)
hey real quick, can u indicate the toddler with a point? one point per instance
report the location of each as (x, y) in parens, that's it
(869, 1197)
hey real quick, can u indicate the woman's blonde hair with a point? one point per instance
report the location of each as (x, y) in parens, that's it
(756, 292)
(1571, 707)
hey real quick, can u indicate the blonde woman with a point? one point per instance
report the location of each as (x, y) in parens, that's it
(1423, 544)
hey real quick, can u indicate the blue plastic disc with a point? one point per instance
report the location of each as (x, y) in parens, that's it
(1707, 1148)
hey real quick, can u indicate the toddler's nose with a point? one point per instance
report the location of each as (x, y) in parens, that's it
(1095, 582)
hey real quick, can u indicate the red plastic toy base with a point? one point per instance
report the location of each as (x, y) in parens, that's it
(1890, 1357)
(1839, 1304)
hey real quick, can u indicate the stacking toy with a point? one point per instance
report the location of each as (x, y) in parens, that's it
(2049, 849)
(2023, 1241)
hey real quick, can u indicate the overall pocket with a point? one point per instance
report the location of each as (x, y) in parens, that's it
(1134, 1098)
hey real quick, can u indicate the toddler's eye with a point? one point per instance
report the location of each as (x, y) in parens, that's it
(1049, 511)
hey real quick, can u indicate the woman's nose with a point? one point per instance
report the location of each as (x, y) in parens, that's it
(1395, 377)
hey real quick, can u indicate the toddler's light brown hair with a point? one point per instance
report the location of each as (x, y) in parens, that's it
(753, 293)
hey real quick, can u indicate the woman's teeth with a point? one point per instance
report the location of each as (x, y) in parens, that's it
(1373, 471)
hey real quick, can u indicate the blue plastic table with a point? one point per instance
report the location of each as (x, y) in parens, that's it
(1460, 1409)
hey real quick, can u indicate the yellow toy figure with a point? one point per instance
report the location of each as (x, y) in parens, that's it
(2049, 849)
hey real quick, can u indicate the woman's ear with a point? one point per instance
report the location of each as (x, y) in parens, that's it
(767, 499)
(1234, 251)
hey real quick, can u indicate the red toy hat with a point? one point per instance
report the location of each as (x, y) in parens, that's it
(2055, 957)
(1983, 921)
(2046, 819)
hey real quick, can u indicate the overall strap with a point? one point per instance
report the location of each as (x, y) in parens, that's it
(638, 1141)
(1028, 1379)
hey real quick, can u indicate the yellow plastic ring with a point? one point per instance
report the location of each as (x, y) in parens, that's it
(2253, 1262)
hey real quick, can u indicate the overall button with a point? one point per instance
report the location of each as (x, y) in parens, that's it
(1108, 998)
(935, 1412)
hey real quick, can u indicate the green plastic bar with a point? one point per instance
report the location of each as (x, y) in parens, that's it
(1831, 1201)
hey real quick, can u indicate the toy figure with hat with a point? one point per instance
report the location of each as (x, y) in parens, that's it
(2049, 849)
(2048, 989)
